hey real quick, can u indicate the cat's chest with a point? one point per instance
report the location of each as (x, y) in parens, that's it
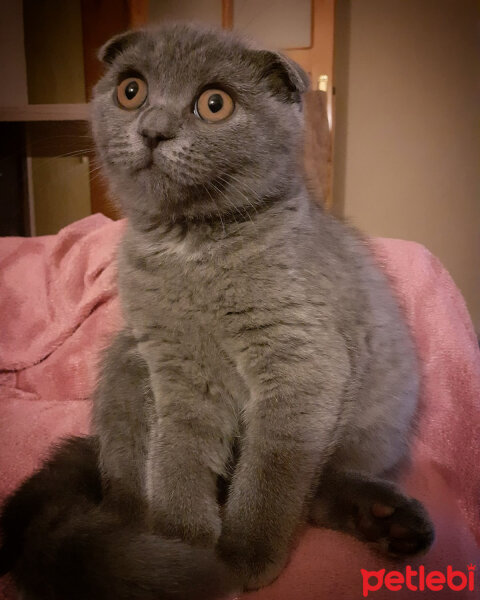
(182, 308)
(169, 291)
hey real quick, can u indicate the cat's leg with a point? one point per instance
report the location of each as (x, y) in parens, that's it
(121, 417)
(354, 493)
(190, 444)
(266, 505)
(374, 510)
(290, 423)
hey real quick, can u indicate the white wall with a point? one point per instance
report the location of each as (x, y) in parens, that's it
(407, 155)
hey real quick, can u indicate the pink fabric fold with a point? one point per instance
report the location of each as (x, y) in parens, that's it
(59, 308)
(50, 285)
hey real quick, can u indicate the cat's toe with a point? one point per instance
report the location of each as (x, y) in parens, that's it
(256, 564)
(382, 510)
(203, 533)
(399, 530)
(265, 577)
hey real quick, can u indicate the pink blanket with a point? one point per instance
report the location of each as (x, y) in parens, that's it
(58, 308)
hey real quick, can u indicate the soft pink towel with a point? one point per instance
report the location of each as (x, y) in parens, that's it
(58, 308)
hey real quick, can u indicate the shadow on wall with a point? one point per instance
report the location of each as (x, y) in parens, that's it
(407, 144)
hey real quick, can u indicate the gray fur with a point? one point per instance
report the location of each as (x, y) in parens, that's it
(258, 316)
(262, 346)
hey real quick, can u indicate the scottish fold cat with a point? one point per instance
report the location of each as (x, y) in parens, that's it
(264, 377)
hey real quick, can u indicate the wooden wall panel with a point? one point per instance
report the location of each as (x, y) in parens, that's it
(53, 49)
(12, 71)
(101, 19)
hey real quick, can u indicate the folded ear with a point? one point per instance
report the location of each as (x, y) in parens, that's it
(284, 76)
(117, 44)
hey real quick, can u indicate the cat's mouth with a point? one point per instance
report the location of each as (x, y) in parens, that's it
(156, 165)
(149, 161)
(147, 164)
(144, 163)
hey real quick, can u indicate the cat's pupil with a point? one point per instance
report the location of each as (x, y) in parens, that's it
(131, 90)
(215, 103)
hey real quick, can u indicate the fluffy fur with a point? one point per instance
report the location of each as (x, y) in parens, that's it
(60, 542)
(265, 374)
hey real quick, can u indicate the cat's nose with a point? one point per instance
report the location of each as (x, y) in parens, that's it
(152, 137)
(157, 125)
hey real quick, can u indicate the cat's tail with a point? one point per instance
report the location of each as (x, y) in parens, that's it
(58, 542)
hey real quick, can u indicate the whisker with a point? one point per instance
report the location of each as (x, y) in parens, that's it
(244, 196)
(228, 201)
(254, 192)
(83, 152)
(217, 209)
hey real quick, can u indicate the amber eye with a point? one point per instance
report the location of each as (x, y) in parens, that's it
(131, 92)
(214, 105)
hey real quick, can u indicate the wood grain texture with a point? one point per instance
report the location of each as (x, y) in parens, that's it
(45, 112)
(227, 14)
(318, 147)
(138, 12)
(101, 21)
(53, 51)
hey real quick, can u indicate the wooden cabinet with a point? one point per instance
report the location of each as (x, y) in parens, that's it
(53, 44)
(44, 96)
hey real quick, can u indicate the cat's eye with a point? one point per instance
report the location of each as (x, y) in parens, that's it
(132, 92)
(214, 105)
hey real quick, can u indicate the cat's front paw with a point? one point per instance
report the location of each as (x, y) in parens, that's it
(267, 575)
(197, 529)
(254, 560)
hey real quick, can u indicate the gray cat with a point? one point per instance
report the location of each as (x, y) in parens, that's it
(265, 375)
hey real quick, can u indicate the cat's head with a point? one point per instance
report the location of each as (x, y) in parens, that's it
(193, 122)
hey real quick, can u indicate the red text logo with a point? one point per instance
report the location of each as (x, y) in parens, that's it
(418, 580)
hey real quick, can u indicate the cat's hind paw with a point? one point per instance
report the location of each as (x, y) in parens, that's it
(399, 529)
